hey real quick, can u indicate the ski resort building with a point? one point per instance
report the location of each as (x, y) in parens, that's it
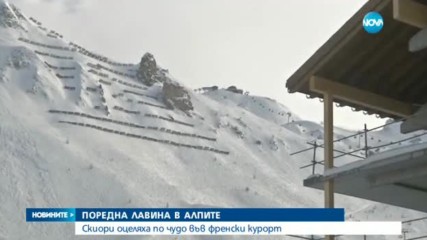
(383, 74)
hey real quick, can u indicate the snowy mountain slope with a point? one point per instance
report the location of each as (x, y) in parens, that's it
(262, 107)
(75, 131)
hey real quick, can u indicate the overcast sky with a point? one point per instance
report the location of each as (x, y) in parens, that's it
(253, 44)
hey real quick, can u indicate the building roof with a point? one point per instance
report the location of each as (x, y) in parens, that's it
(379, 64)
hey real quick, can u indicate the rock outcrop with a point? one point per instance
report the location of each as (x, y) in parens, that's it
(148, 72)
(176, 96)
(234, 89)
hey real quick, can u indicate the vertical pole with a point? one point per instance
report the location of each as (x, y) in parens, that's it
(314, 157)
(364, 237)
(329, 149)
(366, 141)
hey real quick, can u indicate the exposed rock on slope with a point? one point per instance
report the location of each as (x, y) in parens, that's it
(148, 72)
(234, 89)
(176, 96)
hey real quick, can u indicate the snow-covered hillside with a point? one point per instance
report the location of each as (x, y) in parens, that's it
(80, 130)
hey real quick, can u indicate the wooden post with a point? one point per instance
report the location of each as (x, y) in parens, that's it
(329, 149)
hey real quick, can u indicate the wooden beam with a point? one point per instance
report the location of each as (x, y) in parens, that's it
(360, 97)
(410, 12)
(328, 125)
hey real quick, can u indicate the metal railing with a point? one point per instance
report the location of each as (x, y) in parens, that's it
(406, 231)
(363, 151)
(422, 237)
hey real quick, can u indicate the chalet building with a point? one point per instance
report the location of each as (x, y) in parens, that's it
(384, 74)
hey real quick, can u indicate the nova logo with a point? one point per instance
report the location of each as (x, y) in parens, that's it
(373, 22)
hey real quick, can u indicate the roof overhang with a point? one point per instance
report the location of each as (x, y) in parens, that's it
(389, 80)
(397, 177)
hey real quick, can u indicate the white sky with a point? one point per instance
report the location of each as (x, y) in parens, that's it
(253, 44)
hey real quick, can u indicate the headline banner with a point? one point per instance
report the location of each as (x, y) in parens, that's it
(185, 214)
(211, 221)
